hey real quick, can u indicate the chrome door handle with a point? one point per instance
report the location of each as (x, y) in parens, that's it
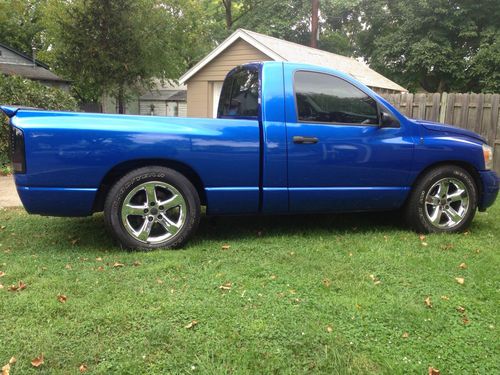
(305, 140)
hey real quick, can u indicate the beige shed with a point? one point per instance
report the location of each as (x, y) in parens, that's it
(204, 80)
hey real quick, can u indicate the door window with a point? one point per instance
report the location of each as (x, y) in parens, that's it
(328, 99)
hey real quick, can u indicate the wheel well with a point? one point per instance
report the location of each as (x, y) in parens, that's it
(468, 167)
(122, 169)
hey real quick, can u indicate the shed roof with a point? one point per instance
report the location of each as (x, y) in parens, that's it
(282, 50)
(170, 95)
(36, 71)
(30, 71)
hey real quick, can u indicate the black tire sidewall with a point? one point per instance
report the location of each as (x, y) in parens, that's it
(119, 191)
(416, 206)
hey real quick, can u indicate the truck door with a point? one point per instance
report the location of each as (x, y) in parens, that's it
(339, 158)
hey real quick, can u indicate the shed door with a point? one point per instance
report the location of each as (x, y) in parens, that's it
(172, 110)
(217, 88)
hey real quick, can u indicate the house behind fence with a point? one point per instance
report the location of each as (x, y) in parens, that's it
(476, 112)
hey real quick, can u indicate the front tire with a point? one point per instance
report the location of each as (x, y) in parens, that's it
(443, 200)
(151, 208)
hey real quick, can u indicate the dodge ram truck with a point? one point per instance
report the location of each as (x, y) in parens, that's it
(288, 139)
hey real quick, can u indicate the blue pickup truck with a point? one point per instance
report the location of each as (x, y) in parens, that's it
(289, 138)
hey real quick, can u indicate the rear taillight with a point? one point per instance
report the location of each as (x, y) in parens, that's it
(17, 150)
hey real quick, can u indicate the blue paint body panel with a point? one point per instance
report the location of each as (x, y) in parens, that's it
(65, 201)
(246, 166)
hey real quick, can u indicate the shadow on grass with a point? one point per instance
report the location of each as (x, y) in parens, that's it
(91, 231)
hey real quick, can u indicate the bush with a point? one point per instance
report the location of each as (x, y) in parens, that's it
(24, 92)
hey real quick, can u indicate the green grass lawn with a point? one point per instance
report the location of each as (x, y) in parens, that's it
(318, 294)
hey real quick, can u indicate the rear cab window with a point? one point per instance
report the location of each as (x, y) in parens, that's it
(240, 94)
(323, 98)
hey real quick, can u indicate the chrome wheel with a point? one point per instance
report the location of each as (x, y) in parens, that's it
(153, 212)
(447, 203)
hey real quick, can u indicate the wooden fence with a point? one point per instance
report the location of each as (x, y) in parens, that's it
(476, 112)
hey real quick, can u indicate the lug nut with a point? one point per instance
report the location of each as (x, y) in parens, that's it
(152, 203)
(162, 208)
(146, 211)
(150, 218)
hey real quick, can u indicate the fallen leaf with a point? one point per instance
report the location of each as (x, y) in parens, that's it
(136, 263)
(465, 320)
(2, 227)
(350, 254)
(191, 325)
(462, 266)
(327, 283)
(329, 329)
(273, 277)
(75, 241)
(428, 302)
(1, 286)
(118, 265)
(375, 279)
(68, 266)
(17, 288)
(83, 368)
(38, 361)
(6, 369)
(425, 244)
(461, 309)
(159, 281)
(225, 286)
(447, 246)
(100, 268)
(2, 274)
(466, 233)
(421, 237)
(62, 298)
(98, 259)
(434, 371)
(226, 247)
(405, 335)
(460, 280)
(12, 360)
(445, 298)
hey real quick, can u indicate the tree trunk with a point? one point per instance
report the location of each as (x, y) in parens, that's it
(121, 101)
(229, 14)
(441, 86)
(314, 23)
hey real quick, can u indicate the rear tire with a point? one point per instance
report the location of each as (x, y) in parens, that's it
(152, 207)
(443, 200)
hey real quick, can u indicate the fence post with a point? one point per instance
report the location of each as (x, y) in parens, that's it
(442, 107)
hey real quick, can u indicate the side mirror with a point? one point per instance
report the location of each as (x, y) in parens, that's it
(387, 120)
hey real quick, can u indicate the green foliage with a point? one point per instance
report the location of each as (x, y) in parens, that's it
(436, 45)
(119, 46)
(27, 93)
(286, 19)
(20, 23)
